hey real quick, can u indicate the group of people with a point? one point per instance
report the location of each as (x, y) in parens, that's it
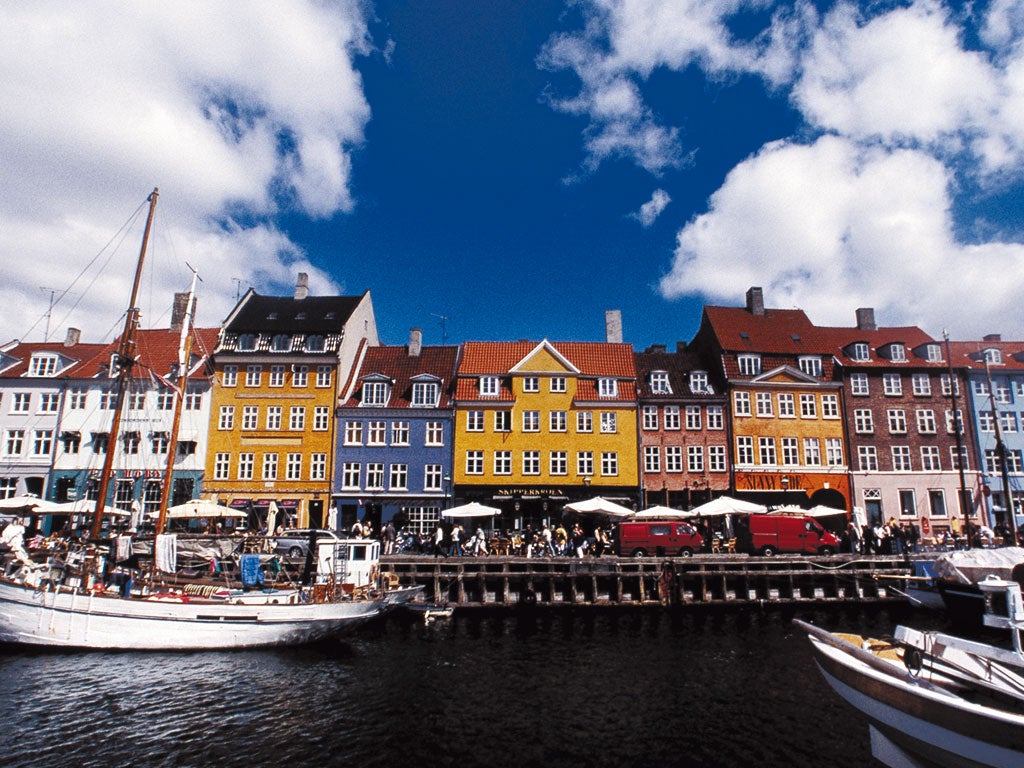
(883, 538)
(547, 541)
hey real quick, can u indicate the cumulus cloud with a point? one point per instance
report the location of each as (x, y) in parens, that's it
(833, 225)
(652, 209)
(237, 112)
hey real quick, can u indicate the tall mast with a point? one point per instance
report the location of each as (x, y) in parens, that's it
(966, 500)
(184, 359)
(124, 360)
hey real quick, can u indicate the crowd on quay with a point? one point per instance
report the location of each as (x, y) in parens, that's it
(897, 537)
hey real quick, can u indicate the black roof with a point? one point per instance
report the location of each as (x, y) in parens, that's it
(285, 314)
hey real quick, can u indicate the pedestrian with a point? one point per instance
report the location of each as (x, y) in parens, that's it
(390, 536)
(456, 540)
(439, 542)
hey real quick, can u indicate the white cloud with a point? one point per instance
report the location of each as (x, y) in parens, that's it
(234, 111)
(652, 209)
(832, 226)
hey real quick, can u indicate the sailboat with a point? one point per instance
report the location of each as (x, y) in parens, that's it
(66, 603)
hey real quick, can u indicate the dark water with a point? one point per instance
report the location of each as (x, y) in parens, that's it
(555, 688)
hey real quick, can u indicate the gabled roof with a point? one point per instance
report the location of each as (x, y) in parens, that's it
(158, 351)
(970, 354)
(82, 360)
(396, 364)
(911, 337)
(777, 331)
(592, 359)
(286, 314)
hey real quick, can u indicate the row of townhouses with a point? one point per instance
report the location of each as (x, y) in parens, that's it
(294, 402)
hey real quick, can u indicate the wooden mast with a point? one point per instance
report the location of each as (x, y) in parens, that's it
(123, 361)
(184, 360)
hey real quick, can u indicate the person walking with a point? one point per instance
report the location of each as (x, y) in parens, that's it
(390, 535)
(439, 542)
(456, 540)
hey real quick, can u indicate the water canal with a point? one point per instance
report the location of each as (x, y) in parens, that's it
(545, 687)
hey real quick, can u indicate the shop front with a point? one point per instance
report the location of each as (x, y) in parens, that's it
(798, 489)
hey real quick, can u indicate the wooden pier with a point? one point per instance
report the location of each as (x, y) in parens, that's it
(475, 582)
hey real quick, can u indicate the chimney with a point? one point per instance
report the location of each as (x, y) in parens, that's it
(866, 319)
(415, 342)
(656, 348)
(178, 311)
(755, 301)
(680, 347)
(73, 337)
(302, 286)
(613, 326)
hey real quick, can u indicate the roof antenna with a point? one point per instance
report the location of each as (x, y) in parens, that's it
(238, 287)
(49, 311)
(444, 328)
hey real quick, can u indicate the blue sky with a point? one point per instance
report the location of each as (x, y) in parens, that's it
(519, 168)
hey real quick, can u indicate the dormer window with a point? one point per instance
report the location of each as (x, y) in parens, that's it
(750, 365)
(489, 386)
(897, 353)
(246, 342)
(282, 343)
(699, 381)
(993, 356)
(375, 393)
(933, 353)
(315, 343)
(607, 387)
(860, 352)
(810, 364)
(659, 383)
(424, 394)
(43, 365)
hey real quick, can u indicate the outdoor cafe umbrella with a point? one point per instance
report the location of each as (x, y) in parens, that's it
(473, 509)
(726, 505)
(659, 512)
(599, 506)
(87, 507)
(32, 504)
(198, 508)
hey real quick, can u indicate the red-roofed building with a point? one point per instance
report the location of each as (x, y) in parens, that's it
(786, 415)
(540, 424)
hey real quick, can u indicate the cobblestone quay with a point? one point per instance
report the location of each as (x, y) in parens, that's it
(468, 582)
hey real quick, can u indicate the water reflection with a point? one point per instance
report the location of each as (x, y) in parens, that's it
(546, 687)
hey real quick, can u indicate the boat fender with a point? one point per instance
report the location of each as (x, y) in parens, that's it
(913, 661)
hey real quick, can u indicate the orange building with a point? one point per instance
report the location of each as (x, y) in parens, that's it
(788, 434)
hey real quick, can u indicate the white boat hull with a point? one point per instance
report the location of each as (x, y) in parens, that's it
(67, 619)
(925, 725)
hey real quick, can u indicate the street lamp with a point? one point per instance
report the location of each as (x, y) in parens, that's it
(447, 491)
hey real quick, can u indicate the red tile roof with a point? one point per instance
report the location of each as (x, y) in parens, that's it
(777, 331)
(88, 358)
(396, 363)
(590, 358)
(969, 354)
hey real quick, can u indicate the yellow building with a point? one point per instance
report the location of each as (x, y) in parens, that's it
(538, 425)
(279, 365)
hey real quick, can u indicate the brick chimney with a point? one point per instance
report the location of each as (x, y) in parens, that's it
(993, 337)
(302, 286)
(866, 319)
(415, 342)
(755, 300)
(178, 311)
(613, 326)
(73, 337)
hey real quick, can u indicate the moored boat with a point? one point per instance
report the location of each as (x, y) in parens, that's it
(932, 698)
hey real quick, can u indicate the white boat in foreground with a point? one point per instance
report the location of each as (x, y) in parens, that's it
(934, 699)
(44, 605)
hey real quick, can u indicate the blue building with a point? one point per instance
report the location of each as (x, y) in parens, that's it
(995, 374)
(395, 437)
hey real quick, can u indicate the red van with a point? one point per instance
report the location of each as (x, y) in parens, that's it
(640, 538)
(790, 533)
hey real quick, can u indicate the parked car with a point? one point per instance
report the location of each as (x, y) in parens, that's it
(295, 542)
(640, 538)
(790, 533)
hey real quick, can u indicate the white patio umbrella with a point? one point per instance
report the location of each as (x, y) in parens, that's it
(473, 509)
(202, 508)
(599, 506)
(659, 512)
(87, 507)
(272, 518)
(26, 502)
(726, 505)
